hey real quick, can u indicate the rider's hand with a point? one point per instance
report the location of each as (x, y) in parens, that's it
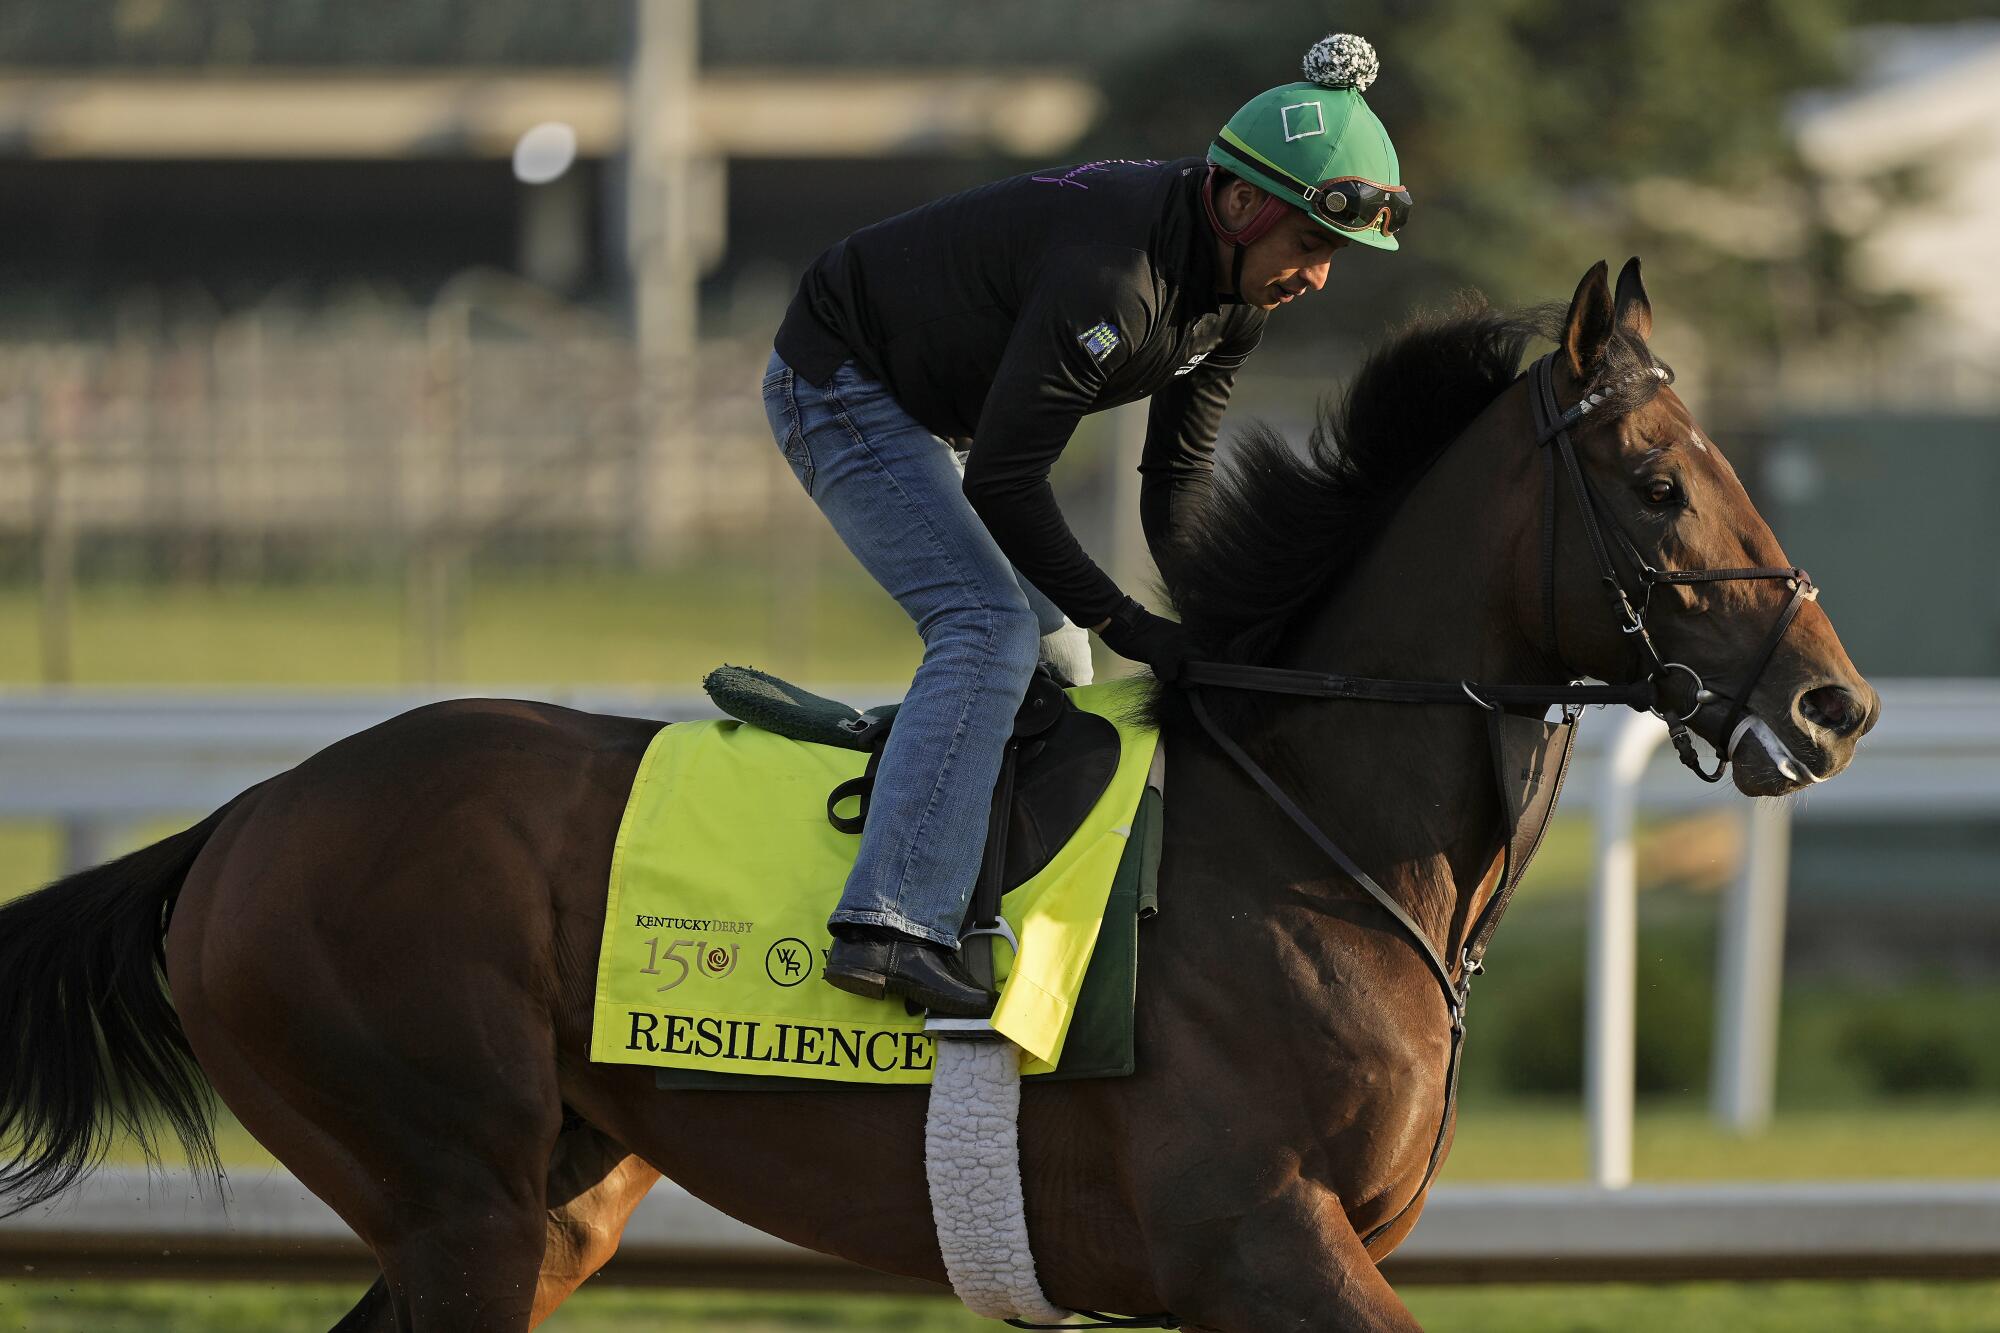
(1134, 632)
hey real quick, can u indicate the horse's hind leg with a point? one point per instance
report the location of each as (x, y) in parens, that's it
(374, 1313)
(594, 1186)
(455, 1212)
(454, 1209)
(427, 1123)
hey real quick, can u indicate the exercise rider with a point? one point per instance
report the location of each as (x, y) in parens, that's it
(993, 320)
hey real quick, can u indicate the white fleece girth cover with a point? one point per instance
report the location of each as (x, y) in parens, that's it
(973, 1160)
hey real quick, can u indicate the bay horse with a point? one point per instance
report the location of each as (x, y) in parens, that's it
(383, 959)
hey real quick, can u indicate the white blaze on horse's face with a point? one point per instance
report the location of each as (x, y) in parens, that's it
(1688, 509)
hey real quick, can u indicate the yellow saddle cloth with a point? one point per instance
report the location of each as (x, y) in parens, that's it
(726, 869)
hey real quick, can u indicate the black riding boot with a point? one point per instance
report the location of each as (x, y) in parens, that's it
(876, 961)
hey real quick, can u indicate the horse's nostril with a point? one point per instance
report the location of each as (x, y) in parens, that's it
(1833, 708)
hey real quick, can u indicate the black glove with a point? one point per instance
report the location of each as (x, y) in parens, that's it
(1137, 633)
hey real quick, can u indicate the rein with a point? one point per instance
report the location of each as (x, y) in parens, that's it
(1654, 693)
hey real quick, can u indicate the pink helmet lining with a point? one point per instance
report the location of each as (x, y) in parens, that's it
(1262, 221)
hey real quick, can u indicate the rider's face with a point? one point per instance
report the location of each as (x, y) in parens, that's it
(1288, 261)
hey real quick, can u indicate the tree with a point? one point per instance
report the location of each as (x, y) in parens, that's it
(1540, 136)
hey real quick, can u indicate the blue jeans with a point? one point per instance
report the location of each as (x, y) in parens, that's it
(892, 490)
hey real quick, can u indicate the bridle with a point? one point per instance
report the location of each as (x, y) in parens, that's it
(1655, 692)
(1552, 427)
(1672, 691)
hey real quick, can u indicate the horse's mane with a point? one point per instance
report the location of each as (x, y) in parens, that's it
(1281, 529)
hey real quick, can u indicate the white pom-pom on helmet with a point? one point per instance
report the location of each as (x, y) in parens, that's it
(1341, 60)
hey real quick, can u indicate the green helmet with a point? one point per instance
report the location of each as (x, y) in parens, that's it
(1316, 146)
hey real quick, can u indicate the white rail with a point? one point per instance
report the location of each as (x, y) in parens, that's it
(122, 1223)
(1935, 753)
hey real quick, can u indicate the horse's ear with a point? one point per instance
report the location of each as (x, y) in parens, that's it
(1635, 312)
(1590, 319)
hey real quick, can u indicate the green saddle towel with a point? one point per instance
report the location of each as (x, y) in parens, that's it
(715, 926)
(1100, 1042)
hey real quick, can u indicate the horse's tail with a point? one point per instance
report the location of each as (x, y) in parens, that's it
(89, 1041)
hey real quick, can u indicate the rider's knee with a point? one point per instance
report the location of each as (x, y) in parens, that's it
(1003, 634)
(1017, 640)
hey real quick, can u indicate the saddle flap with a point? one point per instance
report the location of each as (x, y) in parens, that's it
(1057, 781)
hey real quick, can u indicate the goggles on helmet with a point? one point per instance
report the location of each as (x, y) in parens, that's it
(1350, 203)
(1353, 204)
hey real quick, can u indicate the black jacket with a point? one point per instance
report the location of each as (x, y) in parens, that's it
(1007, 312)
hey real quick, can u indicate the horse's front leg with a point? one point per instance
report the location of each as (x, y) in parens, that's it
(1292, 1261)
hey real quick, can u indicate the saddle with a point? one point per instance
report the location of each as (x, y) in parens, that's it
(1057, 764)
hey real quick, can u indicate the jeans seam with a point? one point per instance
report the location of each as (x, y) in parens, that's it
(794, 431)
(952, 747)
(951, 753)
(894, 920)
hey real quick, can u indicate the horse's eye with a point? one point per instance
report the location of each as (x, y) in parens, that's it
(1663, 491)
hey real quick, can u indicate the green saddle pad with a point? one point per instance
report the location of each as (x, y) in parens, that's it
(1100, 1037)
(723, 873)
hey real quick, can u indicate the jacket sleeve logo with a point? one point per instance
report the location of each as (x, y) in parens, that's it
(1099, 340)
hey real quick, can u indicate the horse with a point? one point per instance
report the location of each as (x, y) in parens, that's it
(383, 959)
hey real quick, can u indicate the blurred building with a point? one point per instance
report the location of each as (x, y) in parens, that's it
(1885, 469)
(1910, 166)
(320, 153)
(272, 281)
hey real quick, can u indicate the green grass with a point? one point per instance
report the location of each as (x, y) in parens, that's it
(1748, 1307)
(662, 630)
(1736, 1307)
(1506, 1140)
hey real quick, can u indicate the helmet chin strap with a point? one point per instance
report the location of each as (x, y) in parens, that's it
(1239, 238)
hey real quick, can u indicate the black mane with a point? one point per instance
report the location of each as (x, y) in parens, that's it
(1281, 529)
